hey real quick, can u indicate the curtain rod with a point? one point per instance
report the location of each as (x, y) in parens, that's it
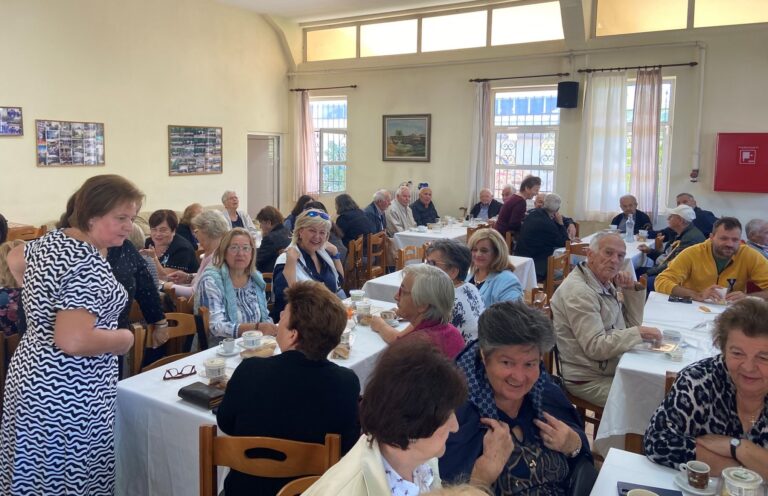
(483, 80)
(659, 66)
(325, 88)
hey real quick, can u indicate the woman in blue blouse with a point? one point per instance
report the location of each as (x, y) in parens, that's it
(310, 256)
(518, 433)
(491, 272)
(233, 290)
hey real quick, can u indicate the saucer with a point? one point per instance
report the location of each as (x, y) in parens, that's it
(227, 373)
(681, 481)
(240, 344)
(220, 351)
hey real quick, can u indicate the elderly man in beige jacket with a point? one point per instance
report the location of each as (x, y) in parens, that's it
(597, 315)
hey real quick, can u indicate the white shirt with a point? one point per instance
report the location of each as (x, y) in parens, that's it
(422, 480)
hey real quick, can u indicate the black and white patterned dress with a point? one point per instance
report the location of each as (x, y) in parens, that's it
(57, 433)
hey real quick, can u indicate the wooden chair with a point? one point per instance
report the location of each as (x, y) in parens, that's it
(8, 346)
(376, 265)
(267, 276)
(184, 304)
(407, 254)
(26, 233)
(298, 486)
(180, 325)
(582, 406)
(576, 225)
(669, 381)
(135, 314)
(205, 317)
(299, 459)
(510, 239)
(353, 270)
(471, 230)
(577, 249)
(139, 343)
(556, 263)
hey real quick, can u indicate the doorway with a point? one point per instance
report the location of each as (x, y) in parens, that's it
(263, 172)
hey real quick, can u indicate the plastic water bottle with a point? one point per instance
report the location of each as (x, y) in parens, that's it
(629, 236)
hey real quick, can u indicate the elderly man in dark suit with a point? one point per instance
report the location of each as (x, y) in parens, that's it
(704, 218)
(376, 210)
(487, 207)
(542, 232)
(628, 204)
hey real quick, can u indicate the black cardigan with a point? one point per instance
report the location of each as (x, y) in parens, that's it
(353, 223)
(538, 238)
(180, 255)
(288, 396)
(266, 255)
(130, 270)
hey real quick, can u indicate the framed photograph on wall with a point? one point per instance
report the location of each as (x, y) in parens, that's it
(68, 143)
(194, 150)
(11, 123)
(407, 138)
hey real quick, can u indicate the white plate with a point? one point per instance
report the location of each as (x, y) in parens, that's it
(240, 344)
(220, 351)
(227, 371)
(681, 481)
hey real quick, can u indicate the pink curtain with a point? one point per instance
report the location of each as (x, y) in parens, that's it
(644, 174)
(307, 180)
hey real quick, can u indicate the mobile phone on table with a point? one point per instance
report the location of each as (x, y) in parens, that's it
(680, 299)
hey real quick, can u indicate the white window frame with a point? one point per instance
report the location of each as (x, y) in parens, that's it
(320, 133)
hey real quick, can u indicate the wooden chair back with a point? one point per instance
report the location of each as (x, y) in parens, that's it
(180, 325)
(405, 255)
(298, 486)
(576, 225)
(26, 233)
(558, 267)
(376, 265)
(267, 276)
(669, 380)
(353, 270)
(578, 249)
(139, 343)
(205, 316)
(658, 243)
(298, 459)
(510, 239)
(184, 304)
(471, 230)
(135, 314)
(8, 345)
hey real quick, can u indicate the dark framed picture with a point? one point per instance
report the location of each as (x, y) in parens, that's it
(11, 122)
(194, 150)
(68, 143)
(407, 138)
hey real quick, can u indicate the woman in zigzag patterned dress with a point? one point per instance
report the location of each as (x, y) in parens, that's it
(57, 433)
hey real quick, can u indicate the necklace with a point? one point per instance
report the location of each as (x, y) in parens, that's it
(751, 416)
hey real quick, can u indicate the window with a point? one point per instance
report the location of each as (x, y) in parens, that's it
(329, 118)
(728, 12)
(526, 23)
(525, 125)
(388, 38)
(665, 136)
(449, 32)
(330, 44)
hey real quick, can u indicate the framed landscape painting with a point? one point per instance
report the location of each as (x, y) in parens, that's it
(194, 150)
(407, 138)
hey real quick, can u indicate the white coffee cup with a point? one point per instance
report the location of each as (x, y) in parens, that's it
(421, 229)
(357, 295)
(228, 345)
(251, 339)
(214, 368)
(613, 227)
(721, 292)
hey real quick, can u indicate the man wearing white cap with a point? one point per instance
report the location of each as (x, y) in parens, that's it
(680, 220)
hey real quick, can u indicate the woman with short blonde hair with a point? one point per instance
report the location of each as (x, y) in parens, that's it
(491, 271)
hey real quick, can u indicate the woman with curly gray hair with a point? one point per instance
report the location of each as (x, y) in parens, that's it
(517, 431)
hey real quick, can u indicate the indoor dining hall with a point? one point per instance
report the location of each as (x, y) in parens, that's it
(377, 248)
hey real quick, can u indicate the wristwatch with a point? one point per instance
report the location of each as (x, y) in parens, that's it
(735, 443)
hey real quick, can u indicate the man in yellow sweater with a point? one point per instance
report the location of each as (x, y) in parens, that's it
(701, 271)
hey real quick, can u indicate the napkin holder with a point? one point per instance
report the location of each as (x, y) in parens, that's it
(202, 395)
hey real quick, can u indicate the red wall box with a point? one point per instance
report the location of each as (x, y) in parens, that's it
(742, 162)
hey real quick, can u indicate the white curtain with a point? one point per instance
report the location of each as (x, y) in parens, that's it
(644, 174)
(603, 180)
(481, 163)
(307, 180)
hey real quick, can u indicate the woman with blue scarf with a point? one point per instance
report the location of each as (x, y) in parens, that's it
(518, 433)
(233, 290)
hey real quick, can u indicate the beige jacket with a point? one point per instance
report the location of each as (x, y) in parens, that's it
(360, 473)
(591, 325)
(399, 218)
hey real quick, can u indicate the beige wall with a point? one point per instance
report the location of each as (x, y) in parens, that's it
(735, 71)
(137, 66)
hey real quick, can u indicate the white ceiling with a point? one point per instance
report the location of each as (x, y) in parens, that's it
(314, 10)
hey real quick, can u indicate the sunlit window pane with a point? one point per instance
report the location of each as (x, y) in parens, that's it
(728, 12)
(329, 44)
(623, 17)
(454, 31)
(526, 23)
(388, 38)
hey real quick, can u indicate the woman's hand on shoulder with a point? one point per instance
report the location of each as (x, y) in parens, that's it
(497, 448)
(557, 435)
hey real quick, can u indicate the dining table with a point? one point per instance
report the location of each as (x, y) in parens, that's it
(416, 237)
(156, 432)
(385, 287)
(638, 384)
(623, 466)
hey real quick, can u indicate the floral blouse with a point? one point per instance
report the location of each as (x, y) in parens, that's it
(467, 307)
(10, 299)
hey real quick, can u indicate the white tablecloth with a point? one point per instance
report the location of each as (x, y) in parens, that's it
(157, 432)
(638, 386)
(638, 258)
(384, 287)
(630, 467)
(415, 238)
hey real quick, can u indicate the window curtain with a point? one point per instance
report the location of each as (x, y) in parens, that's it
(481, 163)
(644, 173)
(605, 143)
(307, 181)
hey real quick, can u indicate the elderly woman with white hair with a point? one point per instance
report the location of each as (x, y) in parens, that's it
(425, 299)
(309, 257)
(757, 235)
(235, 217)
(542, 233)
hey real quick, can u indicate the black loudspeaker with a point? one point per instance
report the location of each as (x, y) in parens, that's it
(567, 94)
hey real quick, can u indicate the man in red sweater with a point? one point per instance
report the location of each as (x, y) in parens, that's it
(513, 211)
